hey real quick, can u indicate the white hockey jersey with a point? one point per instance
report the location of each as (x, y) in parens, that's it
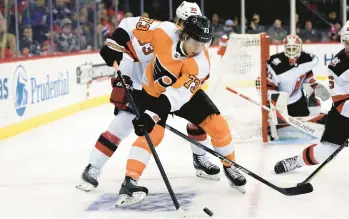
(338, 74)
(136, 54)
(282, 76)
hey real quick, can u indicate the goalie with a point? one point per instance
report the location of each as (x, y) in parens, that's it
(337, 125)
(292, 87)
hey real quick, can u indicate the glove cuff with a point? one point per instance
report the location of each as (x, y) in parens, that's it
(155, 117)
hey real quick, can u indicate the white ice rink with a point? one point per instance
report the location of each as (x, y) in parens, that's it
(40, 168)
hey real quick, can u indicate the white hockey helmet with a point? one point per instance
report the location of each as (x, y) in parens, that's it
(345, 36)
(292, 46)
(187, 9)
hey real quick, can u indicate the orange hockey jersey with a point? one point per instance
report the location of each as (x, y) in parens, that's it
(170, 72)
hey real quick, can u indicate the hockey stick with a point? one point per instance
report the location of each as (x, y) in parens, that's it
(151, 146)
(289, 119)
(297, 190)
(311, 176)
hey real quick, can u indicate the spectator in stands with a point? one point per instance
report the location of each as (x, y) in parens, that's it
(237, 27)
(85, 33)
(298, 25)
(276, 32)
(228, 27)
(36, 16)
(28, 46)
(111, 13)
(334, 33)
(145, 14)
(309, 34)
(332, 17)
(66, 40)
(104, 27)
(60, 12)
(255, 27)
(217, 29)
(129, 14)
(7, 41)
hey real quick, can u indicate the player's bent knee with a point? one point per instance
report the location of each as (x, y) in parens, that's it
(217, 127)
(156, 136)
(196, 133)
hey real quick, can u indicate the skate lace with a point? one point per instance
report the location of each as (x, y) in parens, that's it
(290, 163)
(204, 161)
(234, 172)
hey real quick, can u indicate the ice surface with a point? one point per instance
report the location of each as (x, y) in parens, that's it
(40, 169)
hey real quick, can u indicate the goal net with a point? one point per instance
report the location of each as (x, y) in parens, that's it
(242, 68)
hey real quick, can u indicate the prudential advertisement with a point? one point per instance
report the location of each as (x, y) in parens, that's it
(27, 92)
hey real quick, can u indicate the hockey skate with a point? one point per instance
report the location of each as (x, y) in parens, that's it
(286, 165)
(89, 178)
(130, 193)
(204, 168)
(235, 178)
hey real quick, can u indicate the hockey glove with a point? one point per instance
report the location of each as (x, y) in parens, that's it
(322, 92)
(145, 123)
(118, 95)
(110, 56)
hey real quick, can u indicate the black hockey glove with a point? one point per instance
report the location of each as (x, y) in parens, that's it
(145, 123)
(157, 111)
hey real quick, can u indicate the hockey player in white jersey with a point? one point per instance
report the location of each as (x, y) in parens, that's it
(130, 56)
(337, 125)
(290, 72)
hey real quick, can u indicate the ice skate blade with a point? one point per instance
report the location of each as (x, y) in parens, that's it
(126, 200)
(85, 186)
(202, 174)
(241, 189)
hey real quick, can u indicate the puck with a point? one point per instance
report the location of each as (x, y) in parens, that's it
(208, 211)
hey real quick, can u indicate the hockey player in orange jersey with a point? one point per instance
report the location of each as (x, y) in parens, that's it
(337, 124)
(131, 56)
(171, 85)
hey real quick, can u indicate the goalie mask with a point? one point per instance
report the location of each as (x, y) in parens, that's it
(292, 48)
(345, 36)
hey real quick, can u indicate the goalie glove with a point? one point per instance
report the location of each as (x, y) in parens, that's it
(322, 92)
(118, 95)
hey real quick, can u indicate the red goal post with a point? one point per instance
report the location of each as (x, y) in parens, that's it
(244, 68)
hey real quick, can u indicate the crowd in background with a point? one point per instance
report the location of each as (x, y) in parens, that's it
(277, 31)
(54, 26)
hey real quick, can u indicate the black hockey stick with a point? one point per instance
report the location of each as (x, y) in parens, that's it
(151, 146)
(297, 190)
(345, 144)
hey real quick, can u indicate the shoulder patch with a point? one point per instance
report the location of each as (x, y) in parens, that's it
(276, 61)
(334, 61)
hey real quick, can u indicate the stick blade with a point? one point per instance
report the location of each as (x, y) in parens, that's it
(299, 190)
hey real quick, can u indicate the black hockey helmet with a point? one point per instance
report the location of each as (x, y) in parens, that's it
(198, 28)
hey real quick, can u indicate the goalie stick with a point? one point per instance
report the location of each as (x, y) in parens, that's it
(297, 190)
(289, 119)
(151, 146)
(313, 174)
